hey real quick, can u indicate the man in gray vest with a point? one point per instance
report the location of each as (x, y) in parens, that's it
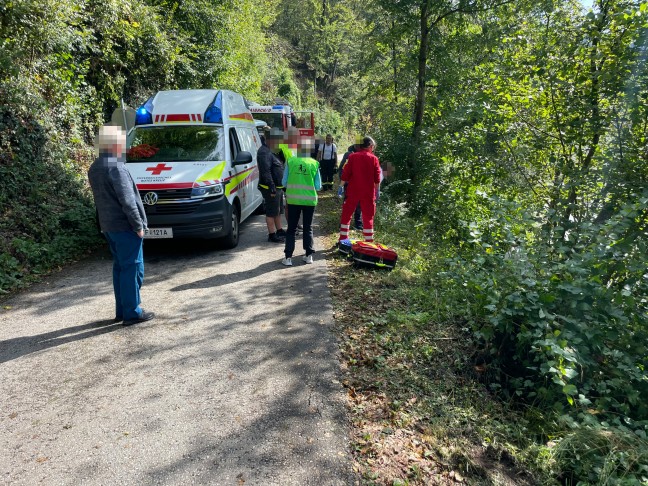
(122, 220)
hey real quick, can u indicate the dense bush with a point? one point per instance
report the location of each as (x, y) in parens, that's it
(567, 324)
(560, 332)
(47, 216)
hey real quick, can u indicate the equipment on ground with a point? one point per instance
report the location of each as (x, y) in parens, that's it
(373, 255)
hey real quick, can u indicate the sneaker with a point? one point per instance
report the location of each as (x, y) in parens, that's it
(144, 316)
(281, 232)
(273, 238)
(287, 262)
(308, 258)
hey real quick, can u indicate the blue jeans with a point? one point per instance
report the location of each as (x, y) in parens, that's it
(128, 272)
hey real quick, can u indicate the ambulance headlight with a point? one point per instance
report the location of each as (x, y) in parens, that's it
(216, 190)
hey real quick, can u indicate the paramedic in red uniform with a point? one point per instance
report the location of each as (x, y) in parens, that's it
(362, 173)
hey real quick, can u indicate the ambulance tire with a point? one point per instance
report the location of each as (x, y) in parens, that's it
(232, 239)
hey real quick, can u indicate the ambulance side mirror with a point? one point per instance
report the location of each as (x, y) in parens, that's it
(243, 158)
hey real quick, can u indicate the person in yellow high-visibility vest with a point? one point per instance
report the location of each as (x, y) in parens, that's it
(301, 180)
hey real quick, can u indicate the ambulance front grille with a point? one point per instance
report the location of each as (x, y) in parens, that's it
(174, 208)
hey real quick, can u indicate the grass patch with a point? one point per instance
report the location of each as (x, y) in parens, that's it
(420, 407)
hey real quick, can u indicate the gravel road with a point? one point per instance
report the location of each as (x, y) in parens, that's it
(235, 382)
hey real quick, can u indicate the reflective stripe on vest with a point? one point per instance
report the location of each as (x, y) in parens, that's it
(300, 189)
(299, 186)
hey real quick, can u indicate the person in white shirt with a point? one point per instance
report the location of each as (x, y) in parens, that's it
(327, 157)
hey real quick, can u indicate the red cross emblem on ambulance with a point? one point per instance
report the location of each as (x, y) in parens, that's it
(158, 169)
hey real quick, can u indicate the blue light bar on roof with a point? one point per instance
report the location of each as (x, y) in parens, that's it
(278, 107)
(144, 115)
(214, 113)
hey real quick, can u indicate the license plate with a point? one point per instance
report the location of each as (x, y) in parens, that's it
(158, 233)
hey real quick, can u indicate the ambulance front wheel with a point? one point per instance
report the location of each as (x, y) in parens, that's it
(232, 238)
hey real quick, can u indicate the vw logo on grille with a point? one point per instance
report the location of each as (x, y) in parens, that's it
(150, 198)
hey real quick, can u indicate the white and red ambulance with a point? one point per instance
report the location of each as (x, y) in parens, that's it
(280, 116)
(192, 154)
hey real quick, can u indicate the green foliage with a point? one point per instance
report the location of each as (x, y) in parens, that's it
(568, 325)
(327, 120)
(613, 455)
(326, 43)
(563, 332)
(47, 217)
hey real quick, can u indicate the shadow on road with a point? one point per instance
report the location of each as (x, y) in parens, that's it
(226, 279)
(22, 346)
(286, 335)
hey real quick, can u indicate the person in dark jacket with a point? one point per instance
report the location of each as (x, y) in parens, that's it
(345, 157)
(122, 221)
(270, 175)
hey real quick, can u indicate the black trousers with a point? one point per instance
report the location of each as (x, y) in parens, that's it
(357, 217)
(357, 214)
(327, 169)
(294, 212)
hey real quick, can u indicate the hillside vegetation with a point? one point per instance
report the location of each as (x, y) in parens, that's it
(519, 135)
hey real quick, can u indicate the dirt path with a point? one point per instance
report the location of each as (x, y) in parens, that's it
(235, 382)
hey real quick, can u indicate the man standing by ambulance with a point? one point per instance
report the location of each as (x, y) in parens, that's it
(270, 175)
(362, 174)
(122, 220)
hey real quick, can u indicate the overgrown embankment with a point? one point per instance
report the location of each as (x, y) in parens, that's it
(47, 216)
(433, 379)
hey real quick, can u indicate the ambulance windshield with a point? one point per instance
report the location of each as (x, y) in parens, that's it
(175, 144)
(274, 120)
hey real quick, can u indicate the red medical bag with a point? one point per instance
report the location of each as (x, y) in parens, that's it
(374, 255)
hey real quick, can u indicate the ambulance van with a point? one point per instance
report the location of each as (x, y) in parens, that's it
(280, 116)
(192, 154)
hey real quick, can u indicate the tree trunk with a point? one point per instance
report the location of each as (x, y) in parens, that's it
(594, 100)
(419, 107)
(324, 9)
(395, 67)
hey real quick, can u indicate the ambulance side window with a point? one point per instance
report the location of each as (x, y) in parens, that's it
(235, 146)
(246, 140)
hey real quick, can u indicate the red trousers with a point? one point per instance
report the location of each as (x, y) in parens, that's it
(368, 207)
